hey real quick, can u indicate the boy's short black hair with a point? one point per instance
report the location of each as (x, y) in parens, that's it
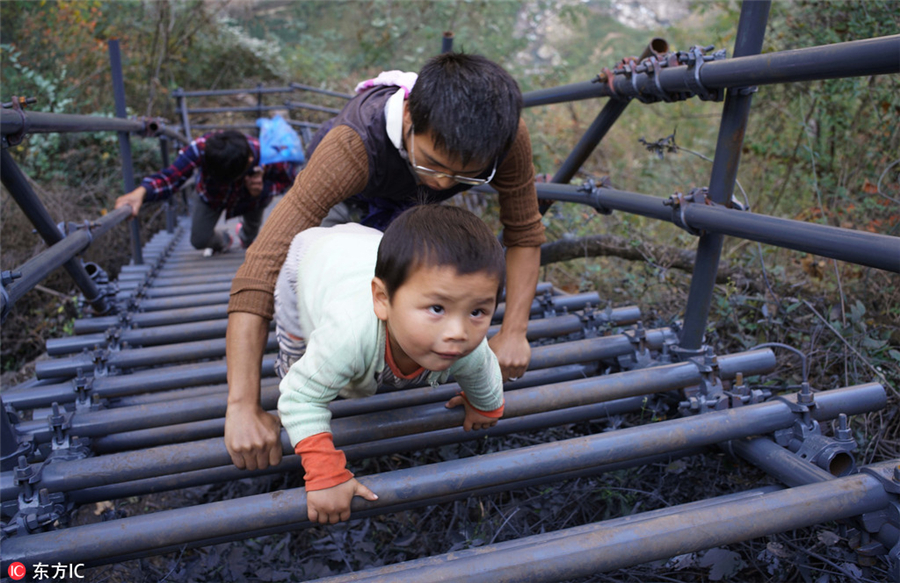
(226, 156)
(469, 105)
(438, 235)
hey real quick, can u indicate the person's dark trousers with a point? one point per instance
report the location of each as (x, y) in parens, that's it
(203, 227)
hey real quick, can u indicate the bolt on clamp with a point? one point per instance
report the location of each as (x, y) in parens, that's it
(709, 394)
(590, 187)
(694, 58)
(82, 386)
(679, 202)
(742, 394)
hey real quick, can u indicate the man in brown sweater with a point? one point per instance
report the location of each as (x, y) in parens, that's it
(388, 149)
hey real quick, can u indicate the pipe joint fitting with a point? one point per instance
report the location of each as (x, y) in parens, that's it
(709, 394)
(593, 190)
(594, 322)
(642, 77)
(742, 394)
(100, 360)
(694, 58)
(842, 433)
(17, 105)
(829, 454)
(885, 475)
(46, 509)
(113, 337)
(653, 66)
(640, 357)
(83, 387)
(104, 303)
(59, 422)
(7, 277)
(25, 477)
(687, 354)
(679, 202)
(548, 307)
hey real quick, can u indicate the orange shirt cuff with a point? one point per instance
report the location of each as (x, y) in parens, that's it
(495, 414)
(325, 466)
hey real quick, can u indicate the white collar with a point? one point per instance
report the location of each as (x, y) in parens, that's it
(393, 118)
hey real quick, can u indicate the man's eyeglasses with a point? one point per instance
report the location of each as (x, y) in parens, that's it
(429, 172)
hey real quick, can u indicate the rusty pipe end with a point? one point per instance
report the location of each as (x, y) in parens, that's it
(447, 41)
(657, 47)
(152, 126)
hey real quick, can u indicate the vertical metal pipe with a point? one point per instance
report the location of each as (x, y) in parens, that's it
(9, 444)
(182, 108)
(170, 206)
(186, 126)
(259, 105)
(16, 183)
(115, 64)
(447, 41)
(5, 302)
(751, 30)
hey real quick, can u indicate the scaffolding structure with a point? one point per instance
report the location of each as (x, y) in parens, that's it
(134, 402)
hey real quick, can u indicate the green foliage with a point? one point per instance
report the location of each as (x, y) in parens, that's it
(36, 64)
(23, 76)
(230, 57)
(325, 43)
(42, 147)
(828, 141)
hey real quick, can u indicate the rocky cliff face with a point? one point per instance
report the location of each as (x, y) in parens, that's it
(544, 28)
(648, 14)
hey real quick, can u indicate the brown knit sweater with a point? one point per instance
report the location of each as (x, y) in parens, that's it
(339, 169)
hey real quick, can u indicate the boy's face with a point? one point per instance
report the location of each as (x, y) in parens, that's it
(437, 316)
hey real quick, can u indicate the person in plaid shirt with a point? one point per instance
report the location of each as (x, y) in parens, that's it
(230, 179)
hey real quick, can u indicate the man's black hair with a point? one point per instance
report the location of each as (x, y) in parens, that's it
(226, 156)
(436, 235)
(469, 104)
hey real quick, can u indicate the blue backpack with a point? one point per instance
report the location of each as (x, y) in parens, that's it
(278, 142)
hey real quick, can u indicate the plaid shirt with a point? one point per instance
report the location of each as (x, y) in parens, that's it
(232, 197)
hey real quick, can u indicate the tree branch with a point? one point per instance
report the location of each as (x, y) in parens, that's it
(661, 256)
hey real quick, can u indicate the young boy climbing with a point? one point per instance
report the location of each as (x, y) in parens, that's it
(412, 306)
(404, 139)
